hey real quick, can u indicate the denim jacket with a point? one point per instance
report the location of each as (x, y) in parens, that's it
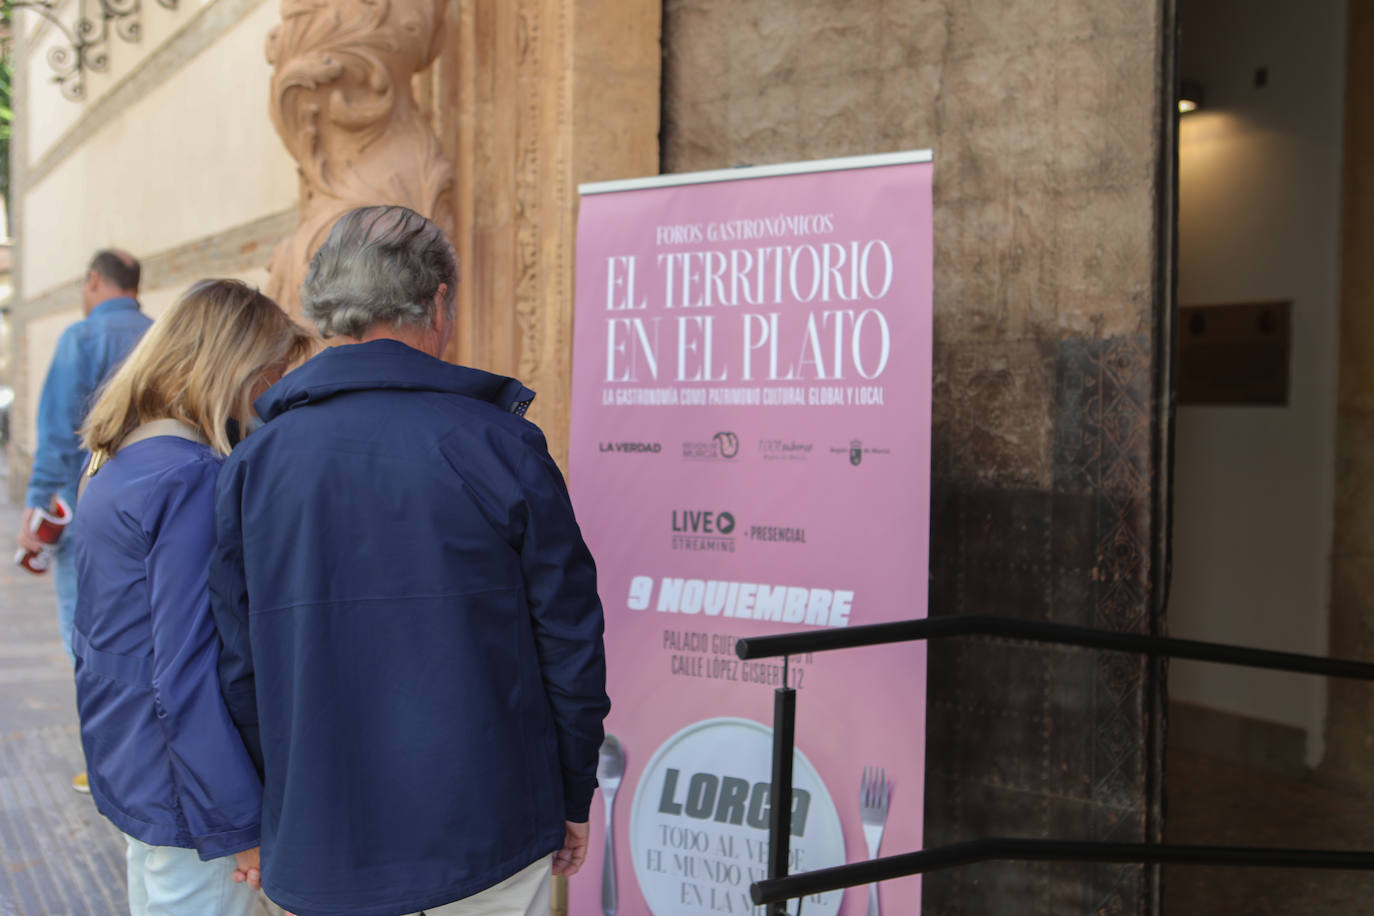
(87, 353)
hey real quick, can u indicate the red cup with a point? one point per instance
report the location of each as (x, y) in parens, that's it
(47, 525)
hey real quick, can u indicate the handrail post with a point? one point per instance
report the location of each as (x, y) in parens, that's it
(780, 813)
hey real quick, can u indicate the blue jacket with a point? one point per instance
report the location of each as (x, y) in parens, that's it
(87, 353)
(411, 632)
(166, 764)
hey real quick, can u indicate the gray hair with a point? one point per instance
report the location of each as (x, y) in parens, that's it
(379, 265)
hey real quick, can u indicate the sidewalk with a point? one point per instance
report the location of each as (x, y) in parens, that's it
(57, 854)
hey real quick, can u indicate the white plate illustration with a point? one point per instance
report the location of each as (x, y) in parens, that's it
(699, 821)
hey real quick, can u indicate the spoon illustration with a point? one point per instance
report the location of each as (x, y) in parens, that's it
(610, 767)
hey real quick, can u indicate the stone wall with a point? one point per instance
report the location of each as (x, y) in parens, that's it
(1349, 738)
(168, 153)
(1047, 121)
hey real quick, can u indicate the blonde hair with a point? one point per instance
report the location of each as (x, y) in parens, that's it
(199, 364)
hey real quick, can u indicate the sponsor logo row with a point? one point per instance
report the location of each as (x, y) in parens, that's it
(727, 447)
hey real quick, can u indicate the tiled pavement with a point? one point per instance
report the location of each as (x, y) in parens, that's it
(57, 854)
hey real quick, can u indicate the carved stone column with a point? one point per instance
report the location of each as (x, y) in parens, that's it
(343, 105)
(528, 98)
(533, 97)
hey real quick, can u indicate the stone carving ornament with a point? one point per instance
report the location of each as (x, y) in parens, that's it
(342, 103)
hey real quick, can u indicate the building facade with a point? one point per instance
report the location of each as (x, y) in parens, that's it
(225, 139)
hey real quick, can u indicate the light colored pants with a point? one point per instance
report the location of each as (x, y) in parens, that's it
(525, 893)
(64, 578)
(170, 881)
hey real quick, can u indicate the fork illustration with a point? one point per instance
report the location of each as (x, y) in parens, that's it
(873, 797)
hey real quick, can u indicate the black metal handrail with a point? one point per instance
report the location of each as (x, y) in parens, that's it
(878, 634)
(779, 886)
(1011, 849)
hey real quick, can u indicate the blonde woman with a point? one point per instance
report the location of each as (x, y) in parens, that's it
(166, 764)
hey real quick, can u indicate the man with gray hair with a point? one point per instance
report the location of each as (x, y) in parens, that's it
(411, 634)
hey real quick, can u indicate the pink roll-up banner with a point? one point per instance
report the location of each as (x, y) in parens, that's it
(750, 455)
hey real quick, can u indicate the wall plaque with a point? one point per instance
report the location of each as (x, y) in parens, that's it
(1235, 353)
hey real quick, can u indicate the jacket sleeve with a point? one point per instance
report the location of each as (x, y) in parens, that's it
(216, 784)
(560, 585)
(229, 605)
(62, 408)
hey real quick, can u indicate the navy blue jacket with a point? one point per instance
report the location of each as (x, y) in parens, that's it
(166, 764)
(411, 632)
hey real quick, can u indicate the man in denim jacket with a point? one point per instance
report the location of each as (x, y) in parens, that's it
(87, 353)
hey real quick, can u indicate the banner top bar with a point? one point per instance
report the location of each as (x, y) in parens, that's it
(908, 157)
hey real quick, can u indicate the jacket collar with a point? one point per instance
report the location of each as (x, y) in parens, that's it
(117, 304)
(386, 365)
